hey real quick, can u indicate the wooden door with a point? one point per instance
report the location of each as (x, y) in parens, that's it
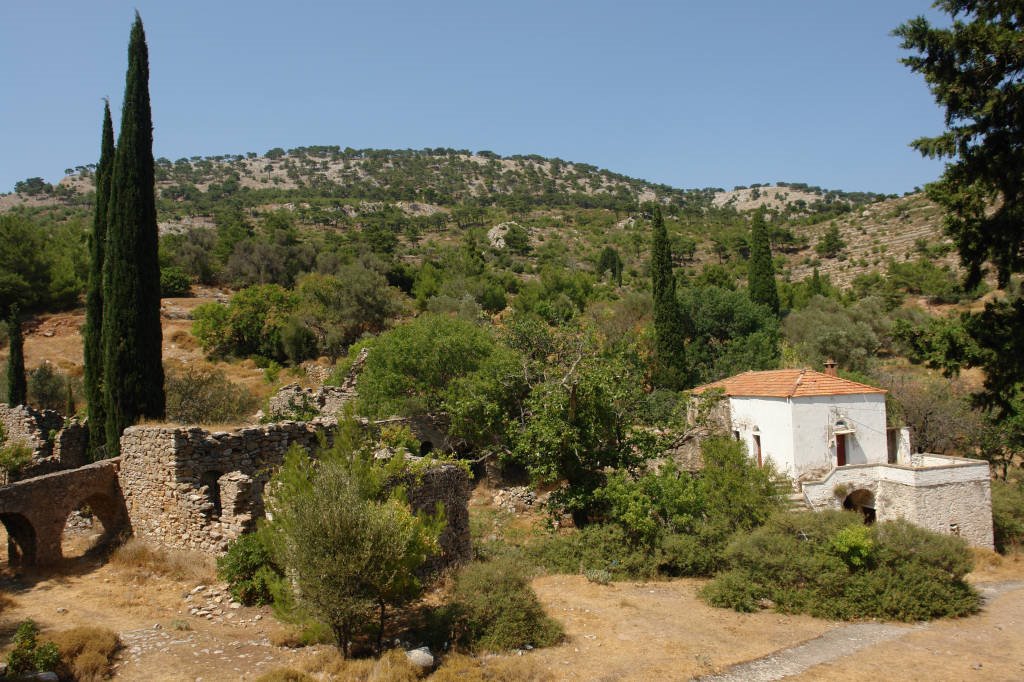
(841, 450)
(757, 450)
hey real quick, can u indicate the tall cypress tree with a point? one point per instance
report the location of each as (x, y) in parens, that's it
(133, 375)
(17, 386)
(670, 369)
(92, 334)
(761, 271)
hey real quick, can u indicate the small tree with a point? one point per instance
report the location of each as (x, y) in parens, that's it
(17, 386)
(671, 370)
(349, 543)
(831, 243)
(761, 277)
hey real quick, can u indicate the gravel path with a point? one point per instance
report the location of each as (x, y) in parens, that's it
(831, 646)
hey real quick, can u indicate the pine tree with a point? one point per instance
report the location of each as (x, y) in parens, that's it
(92, 334)
(670, 369)
(17, 387)
(761, 274)
(133, 375)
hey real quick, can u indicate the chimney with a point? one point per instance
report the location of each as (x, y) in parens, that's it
(830, 367)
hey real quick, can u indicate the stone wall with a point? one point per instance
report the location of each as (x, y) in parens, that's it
(943, 494)
(54, 446)
(190, 489)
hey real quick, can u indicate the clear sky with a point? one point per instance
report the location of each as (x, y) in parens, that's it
(692, 94)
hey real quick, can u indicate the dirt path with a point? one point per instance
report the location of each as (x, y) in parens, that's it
(847, 644)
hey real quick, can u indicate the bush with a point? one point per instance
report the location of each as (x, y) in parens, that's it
(598, 547)
(28, 654)
(47, 388)
(174, 282)
(86, 652)
(199, 395)
(249, 570)
(14, 457)
(251, 324)
(1008, 515)
(495, 609)
(829, 565)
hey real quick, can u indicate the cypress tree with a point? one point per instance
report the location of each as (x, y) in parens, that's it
(670, 370)
(133, 375)
(17, 386)
(92, 334)
(761, 273)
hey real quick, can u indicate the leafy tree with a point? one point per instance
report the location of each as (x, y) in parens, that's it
(761, 275)
(92, 332)
(671, 370)
(974, 69)
(341, 308)
(729, 333)
(133, 373)
(251, 323)
(611, 262)
(852, 335)
(349, 544)
(25, 273)
(831, 242)
(17, 387)
(410, 367)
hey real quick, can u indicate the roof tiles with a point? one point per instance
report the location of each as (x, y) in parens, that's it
(787, 383)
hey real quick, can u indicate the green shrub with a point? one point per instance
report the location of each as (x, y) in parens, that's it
(198, 395)
(1008, 515)
(249, 570)
(14, 457)
(174, 282)
(28, 654)
(829, 565)
(495, 609)
(596, 547)
(47, 388)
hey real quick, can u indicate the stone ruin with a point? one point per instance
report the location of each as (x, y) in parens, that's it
(187, 488)
(55, 445)
(177, 487)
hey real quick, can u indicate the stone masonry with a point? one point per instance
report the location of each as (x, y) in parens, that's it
(191, 489)
(34, 511)
(55, 447)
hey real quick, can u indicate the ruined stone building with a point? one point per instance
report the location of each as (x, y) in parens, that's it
(179, 487)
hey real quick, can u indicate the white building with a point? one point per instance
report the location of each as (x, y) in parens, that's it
(830, 436)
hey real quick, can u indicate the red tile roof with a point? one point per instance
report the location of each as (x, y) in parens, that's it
(787, 383)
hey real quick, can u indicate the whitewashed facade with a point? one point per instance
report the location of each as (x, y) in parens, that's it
(830, 437)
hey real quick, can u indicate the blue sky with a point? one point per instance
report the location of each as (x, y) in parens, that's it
(692, 94)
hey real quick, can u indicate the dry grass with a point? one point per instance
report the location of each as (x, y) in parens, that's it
(86, 652)
(142, 561)
(393, 666)
(285, 675)
(461, 668)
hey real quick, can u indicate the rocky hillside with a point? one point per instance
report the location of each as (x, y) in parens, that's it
(443, 192)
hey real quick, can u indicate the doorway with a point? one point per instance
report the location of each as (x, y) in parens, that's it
(757, 449)
(841, 449)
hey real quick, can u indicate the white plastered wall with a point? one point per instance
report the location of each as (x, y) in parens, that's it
(814, 419)
(773, 419)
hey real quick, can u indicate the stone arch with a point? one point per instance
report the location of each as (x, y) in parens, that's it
(22, 544)
(110, 514)
(426, 447)
(861, 501)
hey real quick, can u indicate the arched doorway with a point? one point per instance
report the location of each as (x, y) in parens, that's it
(21, 540)
(90, 526)
(863, 502)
